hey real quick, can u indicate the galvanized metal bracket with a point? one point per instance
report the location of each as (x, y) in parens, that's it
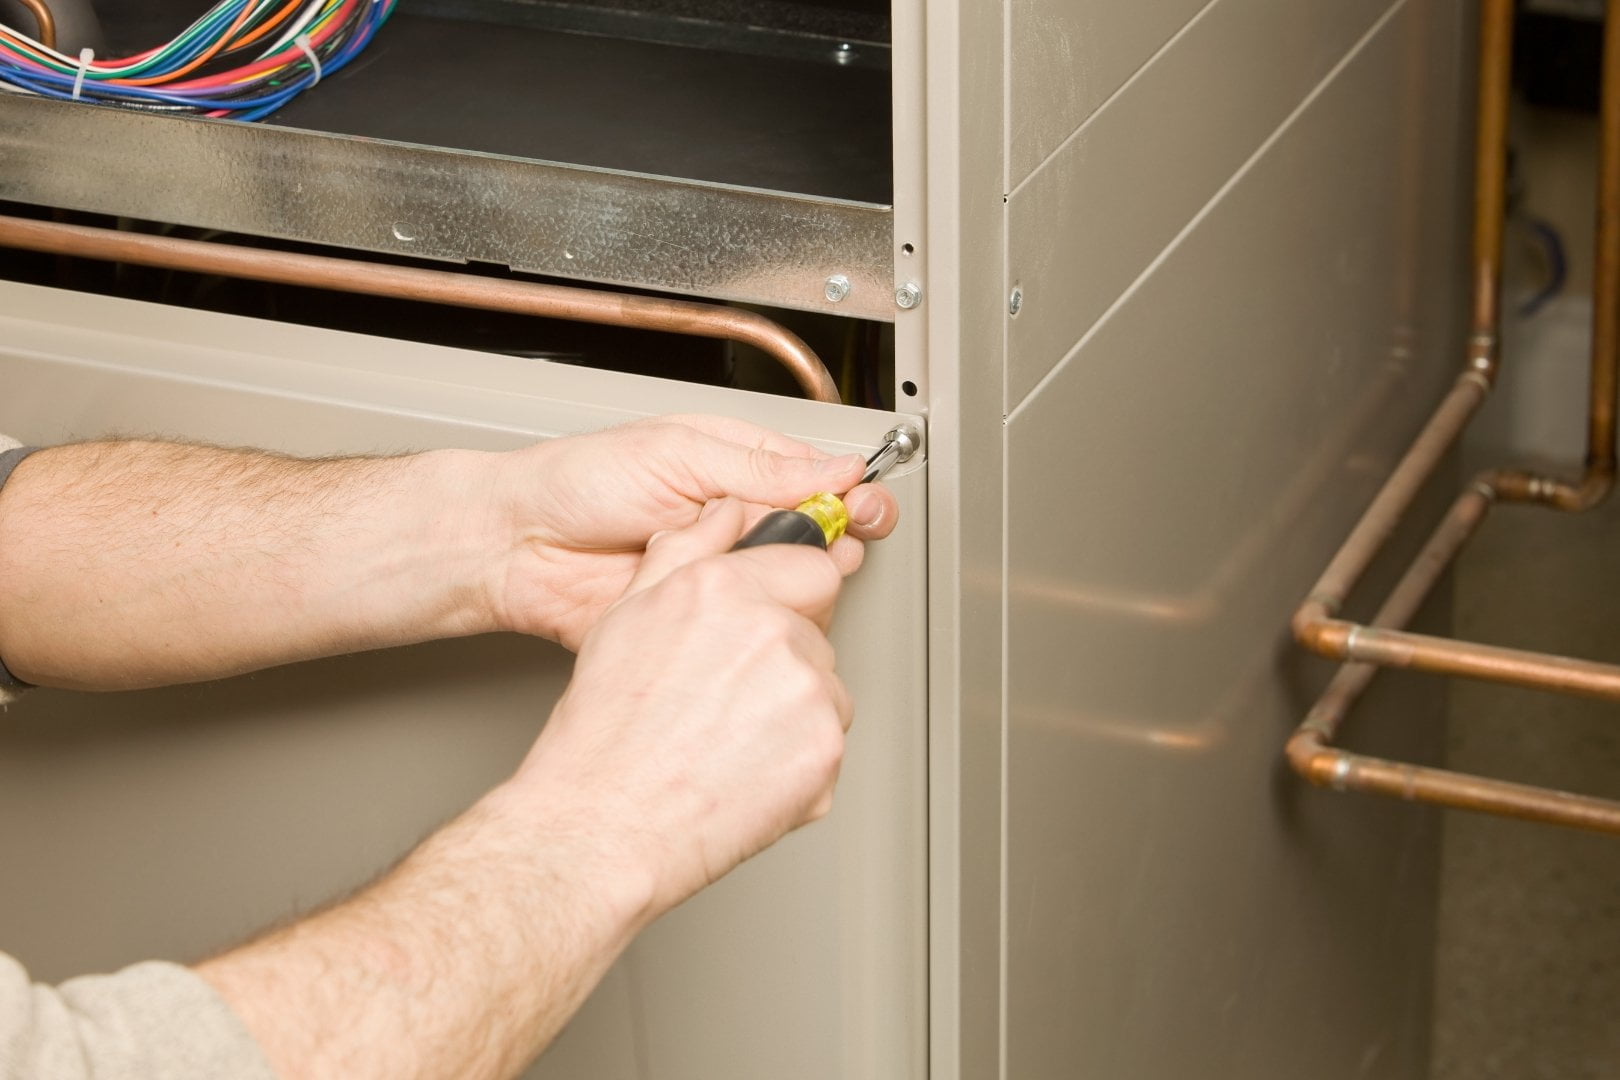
(570, 221)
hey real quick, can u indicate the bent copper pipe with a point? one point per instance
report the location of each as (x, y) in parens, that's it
(1310, 754)
(47, 22)
(1383, 642)
(1598, 476)
(433, 286)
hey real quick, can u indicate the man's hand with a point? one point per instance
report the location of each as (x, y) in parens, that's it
(582, 508)
(130, 564)
(704, 720)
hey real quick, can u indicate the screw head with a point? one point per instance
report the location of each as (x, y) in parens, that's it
(908, 296)
(836, 289)
(1015, 302)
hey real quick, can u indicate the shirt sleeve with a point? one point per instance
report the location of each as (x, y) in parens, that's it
(152, 1021)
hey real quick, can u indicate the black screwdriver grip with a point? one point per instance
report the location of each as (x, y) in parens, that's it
(783, 527)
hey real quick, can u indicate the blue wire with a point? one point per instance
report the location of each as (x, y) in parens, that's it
(1557, 267)
(247, 108)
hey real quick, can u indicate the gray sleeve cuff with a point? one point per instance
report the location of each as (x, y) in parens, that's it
(9, 460)
(156, 1021)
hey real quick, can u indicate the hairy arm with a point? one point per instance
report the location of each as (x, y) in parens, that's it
(704, 720)
(132, 564)
(463, 962)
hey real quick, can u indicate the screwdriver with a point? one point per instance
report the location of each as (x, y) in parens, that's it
(822, 518)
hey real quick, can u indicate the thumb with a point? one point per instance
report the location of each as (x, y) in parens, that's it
(766, 477)
(718, 527)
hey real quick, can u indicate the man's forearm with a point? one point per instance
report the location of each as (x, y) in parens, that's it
(129, 564)
(463, 962)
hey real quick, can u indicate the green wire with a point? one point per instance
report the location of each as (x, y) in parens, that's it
(209, 26)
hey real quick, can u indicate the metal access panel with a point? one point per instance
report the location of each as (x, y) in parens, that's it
(738, 151)
(170, 823)
(1184, 285)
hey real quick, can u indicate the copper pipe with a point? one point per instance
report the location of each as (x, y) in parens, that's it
(47, 23)
(1382, 517)
(1455, 530)
(1383, 643)
(1327, 766)
(432, 286)
(1490, 164)
(1461, 791)
(1598, 478)
(1600, 454)
(1491, 663)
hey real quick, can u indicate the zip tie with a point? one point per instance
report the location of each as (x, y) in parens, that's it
(85, 56)
(302, 41)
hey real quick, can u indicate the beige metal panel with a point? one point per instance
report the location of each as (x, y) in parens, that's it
(1096, 215)
(961, 330)
(908, 29)
(171, 822)
(1178, 904)
(1069, 56)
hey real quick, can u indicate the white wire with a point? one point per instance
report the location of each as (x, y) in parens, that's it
(297, 27)
(84, 67)
(103, 69)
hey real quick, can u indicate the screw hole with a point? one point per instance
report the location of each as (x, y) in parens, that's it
(908, 388)
(906, 249)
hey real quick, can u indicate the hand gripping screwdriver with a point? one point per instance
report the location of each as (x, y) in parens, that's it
(822, 518)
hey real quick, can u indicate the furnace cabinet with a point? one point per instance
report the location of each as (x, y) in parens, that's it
(1169, 284)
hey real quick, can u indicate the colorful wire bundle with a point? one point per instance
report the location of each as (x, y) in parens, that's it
(298, 42)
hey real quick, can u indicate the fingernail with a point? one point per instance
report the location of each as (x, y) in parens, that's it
(657, 536)
(834, 465)
(709, 508)
(865, 508)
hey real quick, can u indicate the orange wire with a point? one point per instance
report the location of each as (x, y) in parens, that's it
(209, 54)
(265, 27)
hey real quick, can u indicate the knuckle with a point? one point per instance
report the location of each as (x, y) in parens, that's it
(776, 628)
(820, 808)
(709, 578)
(829, 749)
(763, 464)
(824, 574)
(801, 686)
(677, 441)
(694, 591)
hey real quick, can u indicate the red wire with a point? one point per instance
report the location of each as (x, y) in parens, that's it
(265, 27)
(269, 63)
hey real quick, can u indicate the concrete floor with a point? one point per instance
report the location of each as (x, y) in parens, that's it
(1528, 961)
(1528, 964)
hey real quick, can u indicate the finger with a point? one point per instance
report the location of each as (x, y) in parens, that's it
(847, 554)
(798, 576)
(842, 701)
(717, 468)
(718, 526)
(824, 803)
(873, 511)
(809, 642)
(746, 434)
